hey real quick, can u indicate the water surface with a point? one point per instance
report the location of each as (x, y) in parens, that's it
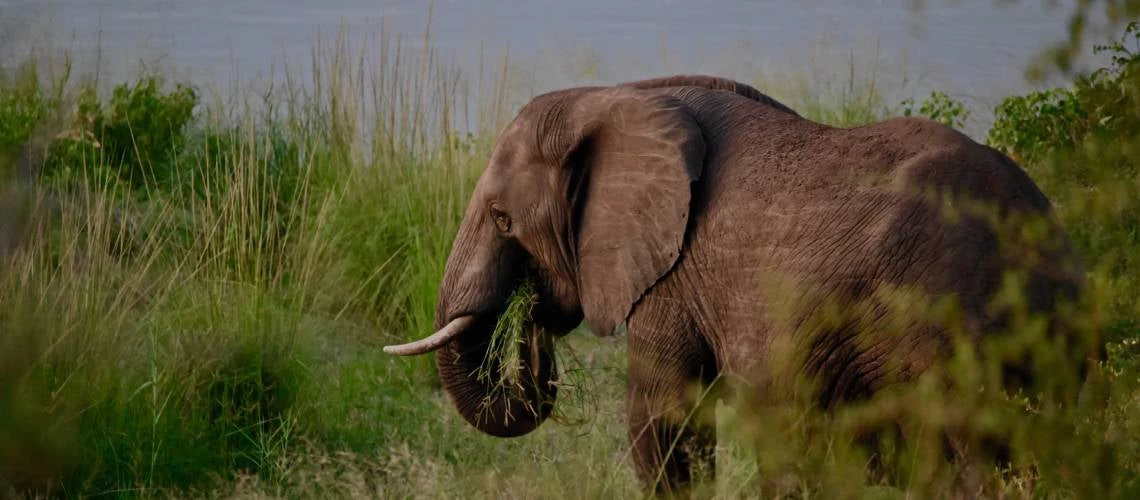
(975, 50)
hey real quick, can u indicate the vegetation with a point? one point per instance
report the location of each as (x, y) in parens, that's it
(195, 297)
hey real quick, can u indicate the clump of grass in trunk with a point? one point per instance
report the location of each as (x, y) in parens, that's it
(502, 363)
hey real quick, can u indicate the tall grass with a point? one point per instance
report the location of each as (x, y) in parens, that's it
(195, 296)
(190, 288)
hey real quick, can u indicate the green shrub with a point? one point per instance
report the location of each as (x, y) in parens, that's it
(940, 108)
(134, 135)
(1028, 127)
(23, 104)
(1080, 145)
(1103, 103)
(142, 127)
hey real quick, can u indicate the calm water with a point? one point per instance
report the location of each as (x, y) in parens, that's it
(974, 49)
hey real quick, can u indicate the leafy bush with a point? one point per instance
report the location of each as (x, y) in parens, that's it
(1080, 144)
(1028, 127)
(133, 137)
(940, 108)
(23, 104)
(1103, 103)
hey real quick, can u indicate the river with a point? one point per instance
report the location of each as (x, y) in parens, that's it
(974, 50)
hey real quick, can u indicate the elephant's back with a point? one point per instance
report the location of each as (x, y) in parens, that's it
(801, 186)
(794, 219)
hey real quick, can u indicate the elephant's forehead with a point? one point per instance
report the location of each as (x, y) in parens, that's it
(512, 176)
(516, 143)
(515, 162)
(515, 153)
(518, 185)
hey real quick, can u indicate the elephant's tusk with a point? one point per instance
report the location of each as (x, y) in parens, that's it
(435, 341)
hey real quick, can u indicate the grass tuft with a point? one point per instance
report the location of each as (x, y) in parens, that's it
(512, 332)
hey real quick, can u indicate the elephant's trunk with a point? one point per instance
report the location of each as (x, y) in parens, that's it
(481, 273)
(471, 377)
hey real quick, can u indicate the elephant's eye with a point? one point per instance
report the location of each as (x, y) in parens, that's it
(502, 220)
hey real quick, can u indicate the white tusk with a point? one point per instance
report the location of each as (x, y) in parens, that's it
(435, 341)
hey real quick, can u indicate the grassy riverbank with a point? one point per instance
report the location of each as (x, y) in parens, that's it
(195, 297)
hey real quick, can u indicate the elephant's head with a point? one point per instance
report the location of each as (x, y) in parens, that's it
(587, 195)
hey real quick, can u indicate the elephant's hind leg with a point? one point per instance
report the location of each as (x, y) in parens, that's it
(670, 408)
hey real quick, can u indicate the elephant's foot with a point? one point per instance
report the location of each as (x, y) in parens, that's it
(672, 459)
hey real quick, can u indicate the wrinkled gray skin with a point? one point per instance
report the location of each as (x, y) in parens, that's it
(673, 205)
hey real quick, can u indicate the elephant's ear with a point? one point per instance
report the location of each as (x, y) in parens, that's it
(633, 160)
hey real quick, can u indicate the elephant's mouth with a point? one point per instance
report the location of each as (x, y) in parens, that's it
(498, 367)
(522, 306)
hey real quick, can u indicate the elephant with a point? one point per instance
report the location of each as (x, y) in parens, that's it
(672, 205)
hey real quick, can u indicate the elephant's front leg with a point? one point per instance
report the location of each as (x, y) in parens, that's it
(671, 413)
